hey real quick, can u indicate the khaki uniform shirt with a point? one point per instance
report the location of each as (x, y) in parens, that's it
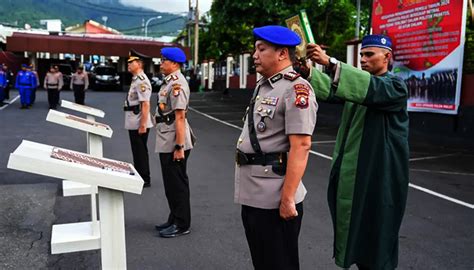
(287, 105)
(80, 79)
(53, 81)
(173, 95)
(140, 90)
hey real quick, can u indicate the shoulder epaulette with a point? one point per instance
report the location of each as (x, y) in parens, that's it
(141, 77)
(292, 75)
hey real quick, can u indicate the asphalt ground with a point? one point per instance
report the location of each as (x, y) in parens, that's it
(437, 231)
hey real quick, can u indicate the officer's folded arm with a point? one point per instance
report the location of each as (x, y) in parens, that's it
(297, 159)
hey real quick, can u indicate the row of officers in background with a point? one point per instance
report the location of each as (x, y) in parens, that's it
(27, 82)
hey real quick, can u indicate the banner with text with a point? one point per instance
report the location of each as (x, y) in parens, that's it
(428, 47)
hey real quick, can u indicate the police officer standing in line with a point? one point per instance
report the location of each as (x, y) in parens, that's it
(174, 142)
(9, 81)
(3, 84)
(53, 82)
(25, 83)
(79, 84)
(137, 115)
(272, 152)
(33, 91)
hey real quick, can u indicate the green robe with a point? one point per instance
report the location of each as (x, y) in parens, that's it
(369, 176)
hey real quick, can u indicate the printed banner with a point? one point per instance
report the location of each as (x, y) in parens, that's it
(428, 46)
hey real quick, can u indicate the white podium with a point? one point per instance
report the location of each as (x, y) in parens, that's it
(112, 178)
(85, 235)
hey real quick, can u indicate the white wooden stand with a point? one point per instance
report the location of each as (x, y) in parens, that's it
(36, 158)
(79, 236)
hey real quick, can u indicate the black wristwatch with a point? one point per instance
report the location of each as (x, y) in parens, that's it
(178, 146)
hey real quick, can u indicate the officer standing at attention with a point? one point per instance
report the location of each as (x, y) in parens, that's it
(25, 83)
(9, 81)
(272, 152)
(3, 84)
(79, 84)
(53, 82)
(33, 91)
(173, 142)
(137, 115)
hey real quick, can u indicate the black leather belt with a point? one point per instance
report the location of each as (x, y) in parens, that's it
(168, 119)
(131, 108)
(52, 84)
(263, 159)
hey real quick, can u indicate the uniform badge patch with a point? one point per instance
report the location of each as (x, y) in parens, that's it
(176, 89)
(143, 87)
(302, 95)
(273, 101)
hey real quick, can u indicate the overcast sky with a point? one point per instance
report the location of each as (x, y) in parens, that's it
(173, 6)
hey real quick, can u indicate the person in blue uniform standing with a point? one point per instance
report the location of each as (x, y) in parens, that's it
(3, 84)
(25, 83)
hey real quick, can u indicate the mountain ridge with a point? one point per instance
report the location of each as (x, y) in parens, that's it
(126, 19)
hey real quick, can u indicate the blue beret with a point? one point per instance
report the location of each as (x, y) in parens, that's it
(24, 65)
(380, 41)
(174, 54)
(277, 35)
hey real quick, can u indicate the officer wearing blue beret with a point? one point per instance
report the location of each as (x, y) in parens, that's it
(137, 115)
(25, 83)
(272, 152)
(368, 183)
(174, 142)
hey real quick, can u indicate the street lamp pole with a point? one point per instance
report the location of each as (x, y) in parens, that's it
(357, 30)
(147, 22)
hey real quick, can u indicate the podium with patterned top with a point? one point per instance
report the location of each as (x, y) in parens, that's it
(112, 178)
(83, 235)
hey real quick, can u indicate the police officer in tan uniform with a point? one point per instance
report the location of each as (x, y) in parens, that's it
(272, 152)
(53, 82)
(137, 115)
(174, 143)
(33, 91)
(79, 84)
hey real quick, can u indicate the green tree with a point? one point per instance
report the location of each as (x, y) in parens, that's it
(230, 28)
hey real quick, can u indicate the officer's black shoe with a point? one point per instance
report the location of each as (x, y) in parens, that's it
(147, 184)
(163, 226)
(173, 231)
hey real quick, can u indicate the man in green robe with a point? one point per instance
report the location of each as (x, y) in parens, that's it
(369, 177)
